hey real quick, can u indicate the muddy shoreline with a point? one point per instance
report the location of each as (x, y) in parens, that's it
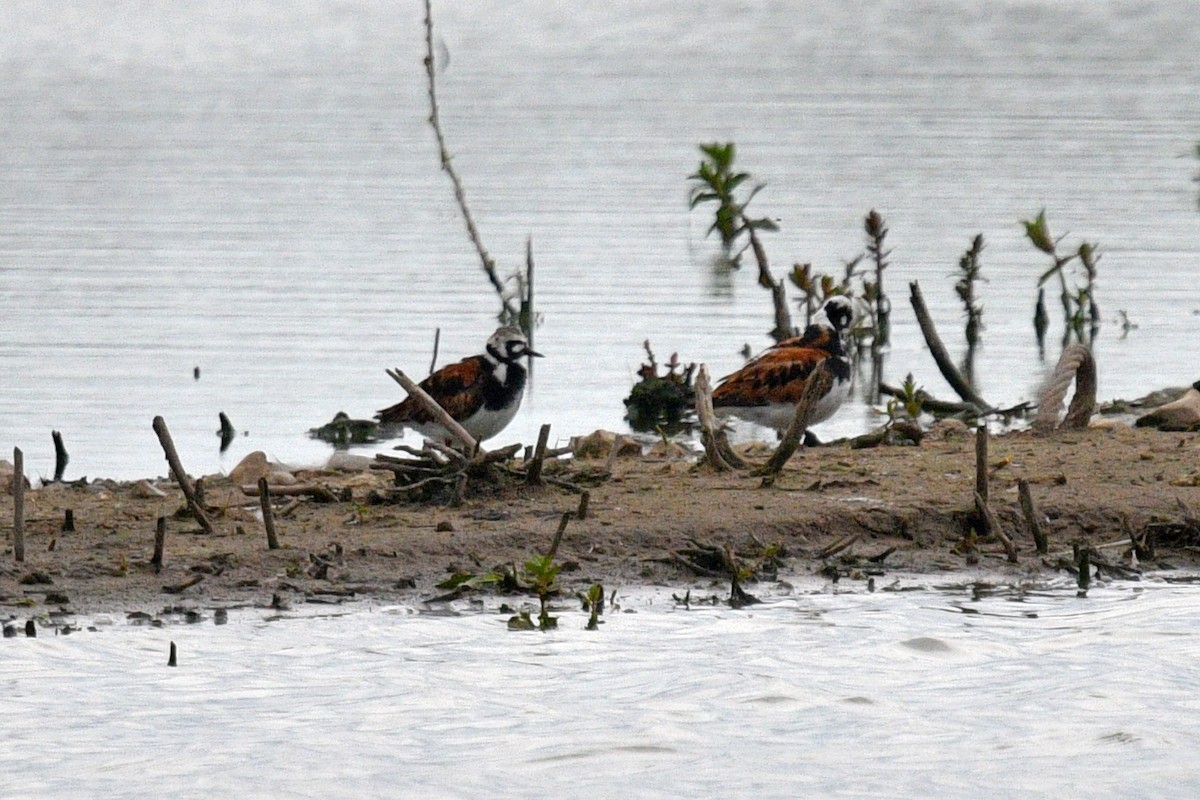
(907, 507)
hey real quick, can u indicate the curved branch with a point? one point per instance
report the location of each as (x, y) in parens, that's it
(938, 350)
(489, 265)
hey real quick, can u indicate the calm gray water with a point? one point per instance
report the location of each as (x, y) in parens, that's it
(1029, 693)
(251, 188)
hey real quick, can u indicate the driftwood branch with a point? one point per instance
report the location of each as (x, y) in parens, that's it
(168, 446)
(819, 382)
(1076, 364)
(440, 414)
(322, 494)
(717, 452)
(938, 350)
(489, 265)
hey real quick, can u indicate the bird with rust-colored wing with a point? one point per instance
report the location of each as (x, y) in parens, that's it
(482, 393)
(767, 389)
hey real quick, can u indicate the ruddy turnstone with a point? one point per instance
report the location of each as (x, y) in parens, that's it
(767, 389)
(482, 392)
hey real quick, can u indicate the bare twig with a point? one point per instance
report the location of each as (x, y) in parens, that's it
(841, 544)
(1031, 516)
(168, 446)
(991, 526)
(819, 382)
(558, 535)
(437, 340)
(938, 350)
(489, 265)
(177, 588)
(440, 414)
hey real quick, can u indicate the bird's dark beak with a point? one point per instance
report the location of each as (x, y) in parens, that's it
(534, 354)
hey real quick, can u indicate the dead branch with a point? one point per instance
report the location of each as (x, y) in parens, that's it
(440, 414)
(489, 265)
(322, 494)
(819, 382)
(938, 351)
(716, 445)
(168, 446)
(991, 526)
(1031, 516)
(783, 317)
(834, 548)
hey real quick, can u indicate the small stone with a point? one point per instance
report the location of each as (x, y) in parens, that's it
(145, 489)
(250, 469)
(348, 462)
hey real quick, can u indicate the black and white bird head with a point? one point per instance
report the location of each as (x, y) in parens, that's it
(837, 313)
(508, 345)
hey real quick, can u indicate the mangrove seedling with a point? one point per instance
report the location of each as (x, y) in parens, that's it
(595, 605)
(1079, 305)
(877, 302)
(969, 269)
(661, 401)
(716, 182)
(542, 576)
(817, 287)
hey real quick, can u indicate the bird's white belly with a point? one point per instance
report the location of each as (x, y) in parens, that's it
(780, 415)
(482, 425)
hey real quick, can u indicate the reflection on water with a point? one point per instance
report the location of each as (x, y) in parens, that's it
(252, 188)
(930, 693)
